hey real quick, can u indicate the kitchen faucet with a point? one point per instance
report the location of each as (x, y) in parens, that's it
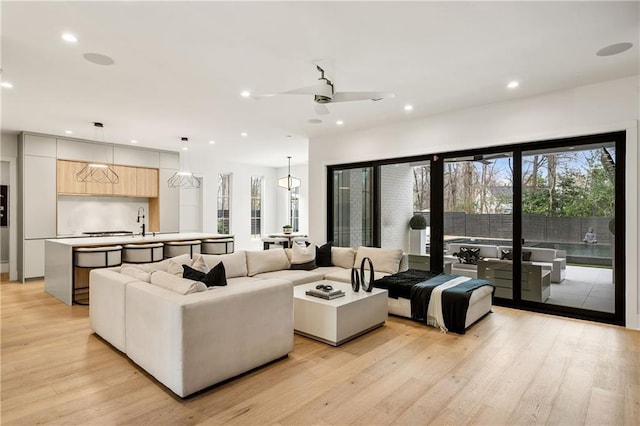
(141, 215)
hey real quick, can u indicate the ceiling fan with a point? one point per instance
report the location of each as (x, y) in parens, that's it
(323, 93)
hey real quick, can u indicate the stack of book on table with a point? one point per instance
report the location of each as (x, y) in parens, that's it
(325, 294)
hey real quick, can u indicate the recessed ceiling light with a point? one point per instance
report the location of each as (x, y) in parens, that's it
(408, 107)
(339, 122)
(212, 142)
(245, 94)
(134, 141)
(68, 132)
(614, 49)
(68, 37)
(6, 84)
(184, 148)
(513, 84)
(244, 134)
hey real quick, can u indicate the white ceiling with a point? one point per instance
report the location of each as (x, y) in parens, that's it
(180, 66)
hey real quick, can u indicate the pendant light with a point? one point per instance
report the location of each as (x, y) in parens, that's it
(289, 181)
(184, 179)
(97, 173)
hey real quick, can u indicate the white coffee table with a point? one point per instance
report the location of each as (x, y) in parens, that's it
(338, 320)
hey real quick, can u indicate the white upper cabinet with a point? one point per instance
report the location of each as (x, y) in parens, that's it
(169, 203)
(39, 145)
(85, 151)
(136, 157)
(170, 160)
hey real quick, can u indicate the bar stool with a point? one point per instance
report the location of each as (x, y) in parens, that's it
(142, 253)
(217, 246)
(267, 242)
(84, 260)
(177, 248)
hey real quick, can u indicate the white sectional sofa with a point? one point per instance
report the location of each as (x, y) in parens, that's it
(189, 336)
(549, 259)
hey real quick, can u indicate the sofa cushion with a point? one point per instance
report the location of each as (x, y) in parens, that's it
(344, 275)
(303, 258)
(266, 261)
(235, 264)
(296, 277)
(177, 284)
(343, 257)
(506, 254)
(136, 273)
(215, 277)
(384, 260)
(323, 255)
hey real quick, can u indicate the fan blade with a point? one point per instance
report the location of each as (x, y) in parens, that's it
(361, 96)
(317, 89)
(321, 109)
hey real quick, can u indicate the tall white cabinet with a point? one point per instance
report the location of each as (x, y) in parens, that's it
(37, 165)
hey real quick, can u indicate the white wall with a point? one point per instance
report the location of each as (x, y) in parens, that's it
(597, 108)
(207, 166)
(300, 171)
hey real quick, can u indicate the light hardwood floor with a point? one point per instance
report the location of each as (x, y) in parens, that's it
(513, 367)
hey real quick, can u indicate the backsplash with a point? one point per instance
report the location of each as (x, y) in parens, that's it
(78, 214)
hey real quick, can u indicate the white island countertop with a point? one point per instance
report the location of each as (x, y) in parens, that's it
(58, 256)
(136, 239)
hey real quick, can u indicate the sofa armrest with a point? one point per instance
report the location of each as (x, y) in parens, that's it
(190, 342)
(106, 305)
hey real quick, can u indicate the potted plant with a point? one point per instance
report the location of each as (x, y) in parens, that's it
(418, 234)
(287, 229)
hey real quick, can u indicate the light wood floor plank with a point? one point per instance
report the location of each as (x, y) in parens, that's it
(513, 367)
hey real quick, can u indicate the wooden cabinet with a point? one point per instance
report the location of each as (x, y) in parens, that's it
(147, 182)
(126, 185)
(66, 177)
(132, 181)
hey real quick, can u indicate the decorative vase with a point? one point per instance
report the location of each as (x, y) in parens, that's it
(355, 279)
(367, 285)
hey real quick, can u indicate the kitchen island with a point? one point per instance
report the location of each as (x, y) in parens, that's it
(58, 262)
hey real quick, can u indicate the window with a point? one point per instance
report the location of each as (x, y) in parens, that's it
(294, 208)
(224, 203)
(256, 207)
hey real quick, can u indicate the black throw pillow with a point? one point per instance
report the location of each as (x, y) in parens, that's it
(468, 255)
(323, 254)
(215, 277)
(506, 255)
(308, 266)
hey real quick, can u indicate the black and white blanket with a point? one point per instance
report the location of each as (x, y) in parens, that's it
(440, 300)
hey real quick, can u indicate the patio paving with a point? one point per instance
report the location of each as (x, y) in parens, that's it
(585, 287)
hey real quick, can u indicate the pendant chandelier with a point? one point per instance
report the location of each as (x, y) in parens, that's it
(97, 173)
(289, 181)
(184, 179)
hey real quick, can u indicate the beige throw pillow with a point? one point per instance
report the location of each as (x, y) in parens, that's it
(136, 273)
(235, 264)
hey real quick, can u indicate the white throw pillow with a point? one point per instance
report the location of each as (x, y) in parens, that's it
(343, 257)
(266, 261)
(384, 260)
(136, 273)
(178, 284)
(235, 264)
(301, 254)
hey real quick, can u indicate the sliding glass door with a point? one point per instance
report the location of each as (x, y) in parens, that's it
(568, 217)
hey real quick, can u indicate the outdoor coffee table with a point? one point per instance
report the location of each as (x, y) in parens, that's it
(338, 320)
